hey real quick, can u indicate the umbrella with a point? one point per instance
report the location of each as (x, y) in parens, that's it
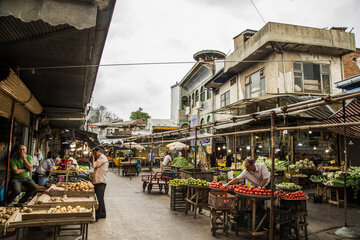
(177, 146)
(133, 145)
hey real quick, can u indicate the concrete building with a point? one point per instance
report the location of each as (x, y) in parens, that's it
(277, 65)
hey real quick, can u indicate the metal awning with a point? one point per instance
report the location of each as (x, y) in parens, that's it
(235, 124)
(349, 83)
(40, 52)
(352, 114)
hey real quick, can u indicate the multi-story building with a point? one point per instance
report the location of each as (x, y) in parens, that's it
(191, 102)
(278, 65)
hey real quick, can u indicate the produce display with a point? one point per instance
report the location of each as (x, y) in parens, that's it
(280, 165)
(190, 181)
(223, 177)
(69, 209)
(182, 162)
(198, 182)
(299, 175)
(26, 210)
(303, 164)
(178, 182)
(236, 173)
(244, 189)
(58, 199)
(220, 184)
(318, 178)
(299, 195)
(85, 186)
(5, 214)
(239, 165)
(288, 185)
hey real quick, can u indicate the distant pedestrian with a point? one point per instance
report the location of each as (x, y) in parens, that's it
(229, 160)
(100, 179)
(151, 159)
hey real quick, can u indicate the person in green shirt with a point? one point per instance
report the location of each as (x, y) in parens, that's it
(21, 166)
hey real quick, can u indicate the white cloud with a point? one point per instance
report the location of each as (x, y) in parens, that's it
(163, 30)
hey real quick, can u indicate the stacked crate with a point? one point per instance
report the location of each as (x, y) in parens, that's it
(177, 197)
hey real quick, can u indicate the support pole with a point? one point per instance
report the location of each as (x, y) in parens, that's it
(272, 208)
(252, 145)
(235, 148)
(152, 152)
(195, 153)
(345, 165)
(9, 151)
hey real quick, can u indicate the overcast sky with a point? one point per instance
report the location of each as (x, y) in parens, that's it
(173, 30)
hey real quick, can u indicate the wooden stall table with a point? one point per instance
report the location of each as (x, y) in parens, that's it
(21, 224)
(251, 202)
(197, 198)
(336, 199)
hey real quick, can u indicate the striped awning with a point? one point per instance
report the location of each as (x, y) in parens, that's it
(352, 114)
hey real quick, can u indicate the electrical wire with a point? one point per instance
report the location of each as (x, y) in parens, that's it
(153, 63)
(258, 11)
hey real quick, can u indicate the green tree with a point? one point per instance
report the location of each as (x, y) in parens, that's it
(140, 115)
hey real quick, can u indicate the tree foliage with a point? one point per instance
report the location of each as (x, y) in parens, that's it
(101, 114)
(139, 115)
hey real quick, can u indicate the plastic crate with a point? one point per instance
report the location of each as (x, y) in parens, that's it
(218, 201)
(177, 197)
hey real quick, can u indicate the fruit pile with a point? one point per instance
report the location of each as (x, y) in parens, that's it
(294, 195)
(244, 189)
(219, 185)
(197, 182)
(178, 182)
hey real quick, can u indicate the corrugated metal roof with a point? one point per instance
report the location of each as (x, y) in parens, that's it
(352, 114)
(13, 29)
(320, 113)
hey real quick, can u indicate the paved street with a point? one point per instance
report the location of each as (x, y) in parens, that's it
(136, 215)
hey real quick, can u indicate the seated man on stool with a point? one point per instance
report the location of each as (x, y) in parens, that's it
(21, 166)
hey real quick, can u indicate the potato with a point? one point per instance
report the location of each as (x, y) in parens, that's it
(6, 216)
(29, 210)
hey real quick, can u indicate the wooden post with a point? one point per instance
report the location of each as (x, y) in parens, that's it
(272, 210)
(235, 148)
(292, 149)
(252, 145)
(345, 165)
(152, 152)
(12, 116)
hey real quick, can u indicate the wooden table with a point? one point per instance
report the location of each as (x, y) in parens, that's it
(19, 224)
(197, 198)
(247, 202)
(335, 201)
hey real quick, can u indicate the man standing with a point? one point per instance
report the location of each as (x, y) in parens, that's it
(167, 160)
(21, 166)
(151, 159)
(100, 180)
(256, 173)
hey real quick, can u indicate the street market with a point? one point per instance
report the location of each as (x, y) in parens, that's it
(104, 136)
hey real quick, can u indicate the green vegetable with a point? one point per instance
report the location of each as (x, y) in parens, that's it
(319, 178)
(289, 185)
(223, 177)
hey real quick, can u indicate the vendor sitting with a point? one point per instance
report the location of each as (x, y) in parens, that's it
(256, 173)
(45, 166)
(21, 166)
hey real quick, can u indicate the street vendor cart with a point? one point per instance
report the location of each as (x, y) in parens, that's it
(158, 180)
(129, 168)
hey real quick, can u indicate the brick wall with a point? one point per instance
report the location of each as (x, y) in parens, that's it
(350, 66)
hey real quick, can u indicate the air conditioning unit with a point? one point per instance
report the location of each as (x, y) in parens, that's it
(199, 105)
(187, 110)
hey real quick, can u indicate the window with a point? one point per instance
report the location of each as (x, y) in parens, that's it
(184, 102)
(225, 99)
(208, 121)
(310, 77)
(193, 99)
(197, 96)
(202, 122)
(232, 81)
(209, 93)
(202, 94)
(255, 84)
(189, 101)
